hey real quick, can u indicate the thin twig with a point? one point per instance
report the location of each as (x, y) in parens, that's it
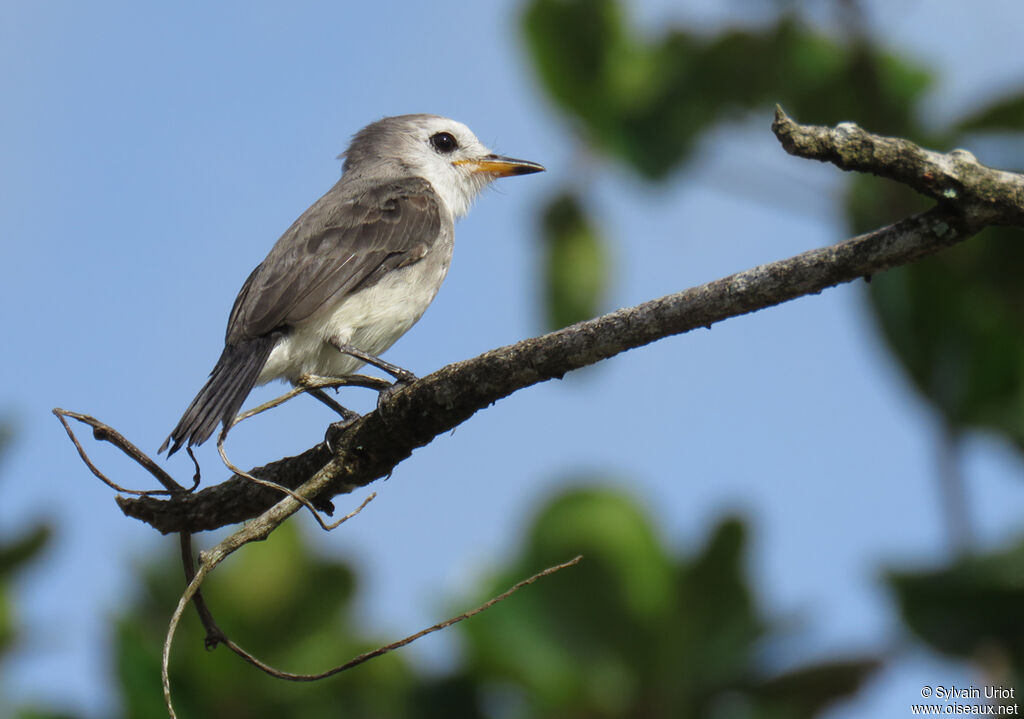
(256, 530)
(311, 382)
(214, 634)
(372, 496)
(204, 569)
(430, 630)
(190, 592)
(266, 482)
(104, 432)
(308, 383)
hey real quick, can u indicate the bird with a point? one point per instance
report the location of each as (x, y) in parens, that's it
(355, 271)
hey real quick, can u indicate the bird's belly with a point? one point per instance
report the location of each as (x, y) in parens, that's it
(371, 320)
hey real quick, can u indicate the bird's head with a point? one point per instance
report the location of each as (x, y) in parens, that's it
(444, 152)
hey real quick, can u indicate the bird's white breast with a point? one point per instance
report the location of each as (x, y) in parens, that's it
(371, 319)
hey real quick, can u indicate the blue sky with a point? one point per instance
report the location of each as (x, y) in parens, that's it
(151, 156)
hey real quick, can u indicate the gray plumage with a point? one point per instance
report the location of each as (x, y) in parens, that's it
(358, 268)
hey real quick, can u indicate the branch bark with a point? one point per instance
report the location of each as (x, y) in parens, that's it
(970, 197)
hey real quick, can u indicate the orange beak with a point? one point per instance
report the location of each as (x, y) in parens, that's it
(501, 166)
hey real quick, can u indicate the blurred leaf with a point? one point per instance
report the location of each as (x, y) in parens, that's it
(23, 549)
(1005, 115)
(576, 66)
(576, 262)
(805, 692)
(280, 601)
(969, 608)
(646, 101)
(15, 553)
(7, 620)
(577, 639)
(953, 320)
(715, 620)
(447, 698)
(586, 62)
(629, 631)
(624, 546)
(6, 435)
(41, 714)
(880, 90)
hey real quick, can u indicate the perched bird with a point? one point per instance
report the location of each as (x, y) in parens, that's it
(356, 270)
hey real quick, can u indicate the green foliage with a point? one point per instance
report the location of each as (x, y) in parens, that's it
(37, 714)
(806, 692)
(576, 262)
(954, 320)
(23, 549)
(280, 602)
(646, 101)
(970, 610)
(631, 631)
(960, 339)
(15, 554)
(1004, 115)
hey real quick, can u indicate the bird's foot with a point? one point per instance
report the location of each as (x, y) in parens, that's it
(384, 396)
(335, 430)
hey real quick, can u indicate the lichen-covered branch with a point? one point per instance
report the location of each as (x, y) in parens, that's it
(983, 196)
(970, 197)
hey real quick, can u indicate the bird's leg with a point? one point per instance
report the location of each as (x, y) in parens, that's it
(335, 429)
(402, 376)
(347, 415)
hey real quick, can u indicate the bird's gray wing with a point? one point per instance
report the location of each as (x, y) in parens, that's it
(315, 264)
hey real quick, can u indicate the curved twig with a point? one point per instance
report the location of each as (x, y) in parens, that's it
(256, 530)
(205, 568)
(307, 384)
(104, 432)
(366, 656)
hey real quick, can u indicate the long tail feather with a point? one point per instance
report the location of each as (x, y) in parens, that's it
(222, 396)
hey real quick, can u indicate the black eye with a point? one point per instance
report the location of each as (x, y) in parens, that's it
(444, 142)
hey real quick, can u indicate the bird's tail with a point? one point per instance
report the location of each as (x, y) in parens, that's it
(219, 400)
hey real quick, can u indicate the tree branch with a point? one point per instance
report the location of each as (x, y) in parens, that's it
(955, 179)
(970, 197)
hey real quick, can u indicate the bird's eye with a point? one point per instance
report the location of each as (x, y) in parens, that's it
(444, 142)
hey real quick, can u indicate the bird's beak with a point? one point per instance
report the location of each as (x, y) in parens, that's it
(499, 166)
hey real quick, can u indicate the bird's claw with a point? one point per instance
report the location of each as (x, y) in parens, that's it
(336, 429)
(403, 378)
(384, 396)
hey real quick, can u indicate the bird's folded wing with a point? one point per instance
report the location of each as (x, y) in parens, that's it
(317, 263)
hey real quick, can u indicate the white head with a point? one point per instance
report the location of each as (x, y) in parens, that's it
(442, 151)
